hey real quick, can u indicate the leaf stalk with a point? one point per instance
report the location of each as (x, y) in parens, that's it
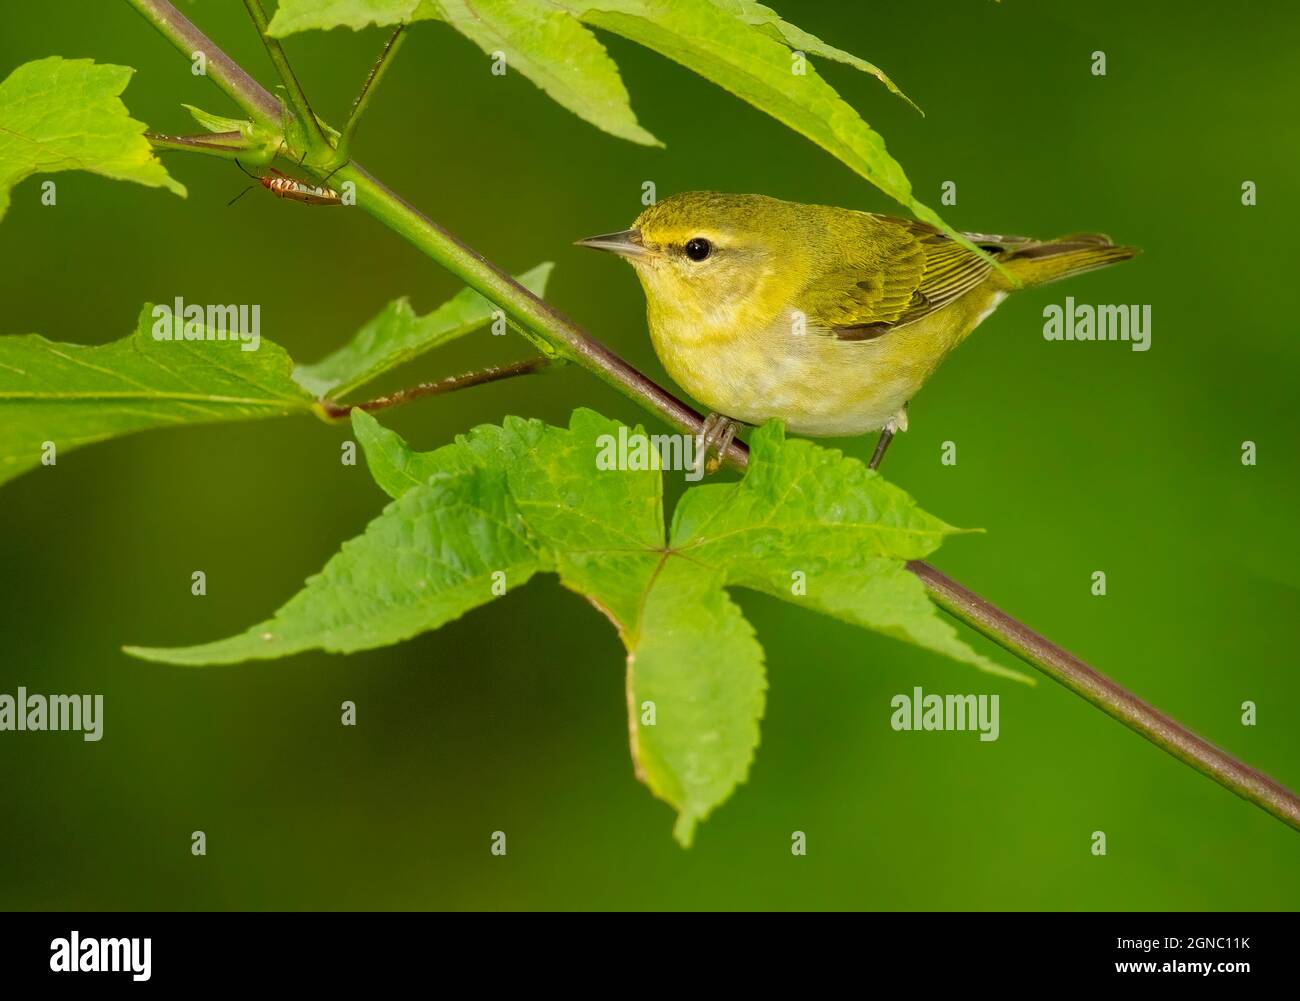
(344, 145)
(478, 377)
(313, 136)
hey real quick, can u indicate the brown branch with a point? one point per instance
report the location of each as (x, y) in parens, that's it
(452, 383)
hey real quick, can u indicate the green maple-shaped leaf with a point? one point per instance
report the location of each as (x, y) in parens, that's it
(66, 114)
(73, 395)
(480, 516)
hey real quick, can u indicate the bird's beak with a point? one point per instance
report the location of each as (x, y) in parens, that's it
(626, 243)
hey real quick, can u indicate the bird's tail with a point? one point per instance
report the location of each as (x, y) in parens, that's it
(1037, 263)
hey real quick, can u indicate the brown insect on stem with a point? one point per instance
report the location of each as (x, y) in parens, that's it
(284, 186)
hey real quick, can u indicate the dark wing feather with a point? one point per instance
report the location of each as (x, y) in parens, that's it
(871, 280)
(915, 270)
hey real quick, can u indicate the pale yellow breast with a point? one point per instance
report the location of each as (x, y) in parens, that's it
(818, 385)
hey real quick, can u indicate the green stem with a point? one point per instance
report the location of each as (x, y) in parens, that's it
(241, 88)
(314, 136)
(559, 337)
(367, 91)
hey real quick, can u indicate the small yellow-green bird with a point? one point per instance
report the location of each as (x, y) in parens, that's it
(827, 318)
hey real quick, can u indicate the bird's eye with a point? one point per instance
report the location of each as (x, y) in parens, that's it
(698, 248)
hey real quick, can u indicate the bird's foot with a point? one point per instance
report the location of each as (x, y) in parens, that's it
(892, 426)
(716, 435)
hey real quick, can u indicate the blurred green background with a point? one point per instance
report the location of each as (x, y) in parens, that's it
(1075, 457)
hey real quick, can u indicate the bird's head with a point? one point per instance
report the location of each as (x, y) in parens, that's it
(705, 256)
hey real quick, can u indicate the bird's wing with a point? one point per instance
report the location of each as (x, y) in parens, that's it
(911, 270)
